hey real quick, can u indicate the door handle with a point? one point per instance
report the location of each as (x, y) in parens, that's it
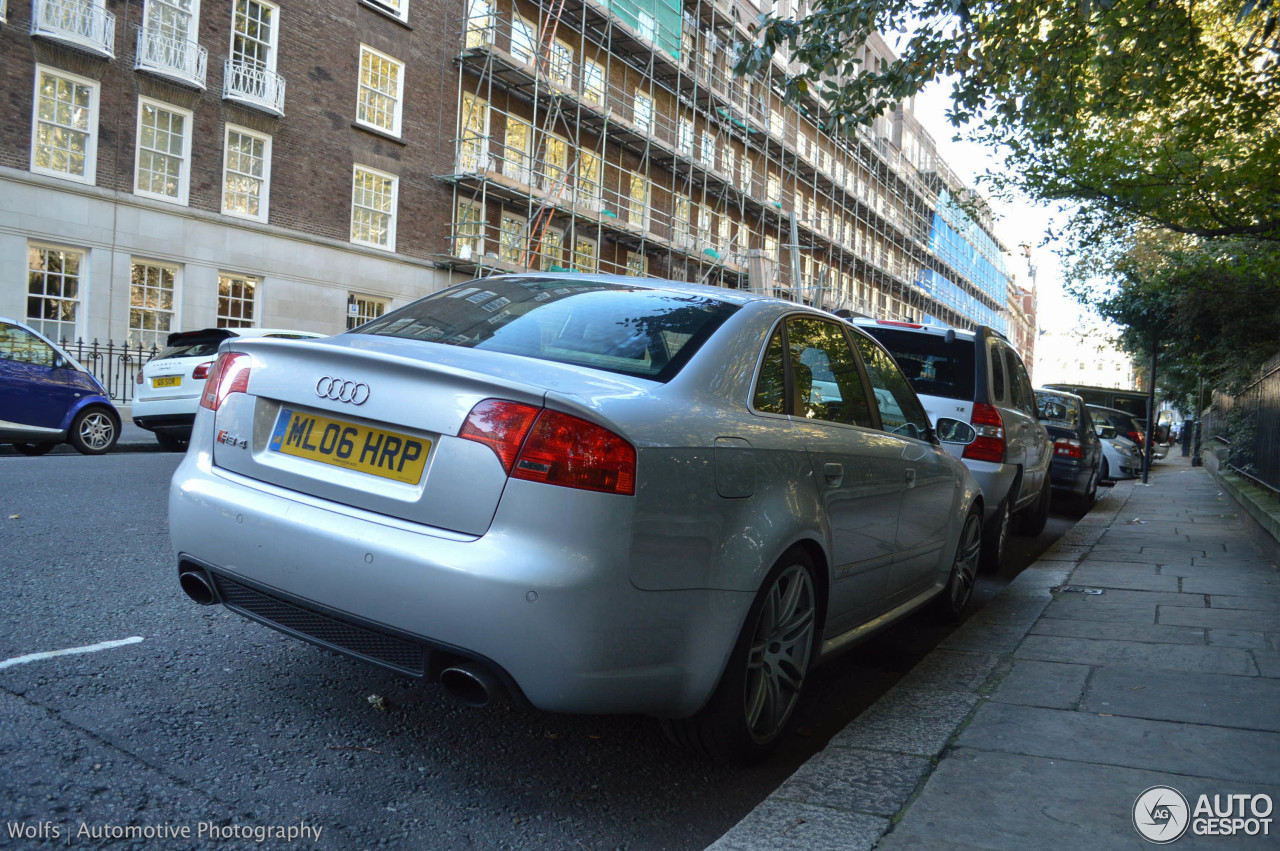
(833, 473)
(911, 478)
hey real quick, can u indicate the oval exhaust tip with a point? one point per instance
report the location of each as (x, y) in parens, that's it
(471, 687)
(197, 587)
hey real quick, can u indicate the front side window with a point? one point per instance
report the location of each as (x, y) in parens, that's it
(254, 33)
(246, 173)
(64, 137)
(21, 346)
(824, 372)
(151, 303)
(237, 300)
(381, 91)
(54, 290)
(373, 208)
(900, 410)
(163, 151)
(612, 327)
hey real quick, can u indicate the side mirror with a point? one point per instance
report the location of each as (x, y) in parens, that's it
(954, 431)
(59, 362)
(1105, 432)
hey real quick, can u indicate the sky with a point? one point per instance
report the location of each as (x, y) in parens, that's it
(1016, 223)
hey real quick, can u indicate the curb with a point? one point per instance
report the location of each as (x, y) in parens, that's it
(854, 791)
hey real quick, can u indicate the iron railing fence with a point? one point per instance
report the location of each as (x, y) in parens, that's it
(1249, 423)
(114, 364)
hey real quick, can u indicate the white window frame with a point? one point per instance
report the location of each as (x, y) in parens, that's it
(227, 320)
(473, 238)
(646, 26)
(139, 335)
(184, 172)
(590, 193)
(91, 134)
(78, 302)
(264, 194)
(560, 68)
(390, 244)
(505, 248)
(363, 90)
(545, 262)
(640, 269)
(642, 111)
(578, 254)
(272, 43)
(360, 316)
(517, 162)
(398, 9)
(482, 20)
(684, 139)
(707, 152)
(595, 85)
(639, 208)
(473, 145)
(525, 54)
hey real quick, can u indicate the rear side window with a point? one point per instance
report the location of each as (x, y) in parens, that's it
(614, 327)
(900, 410)
(771, 386)
(997, 377)
(932, 365)
(1020, 393)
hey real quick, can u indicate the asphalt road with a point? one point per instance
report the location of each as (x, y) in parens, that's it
(214, 720)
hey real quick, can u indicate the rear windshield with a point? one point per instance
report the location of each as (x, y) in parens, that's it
(934, 366)
(613, 327)
(197, 349)
(1059, 410)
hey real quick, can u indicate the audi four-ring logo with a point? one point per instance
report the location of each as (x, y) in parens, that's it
(342, 391)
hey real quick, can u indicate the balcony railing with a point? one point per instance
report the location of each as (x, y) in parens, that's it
(184, 61)
(81, 23)
(253, 86)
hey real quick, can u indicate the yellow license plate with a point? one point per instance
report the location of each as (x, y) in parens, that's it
(387, 454)
(167, 381)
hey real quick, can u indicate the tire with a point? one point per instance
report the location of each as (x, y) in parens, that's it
(762, 681)
(1035, 517)
(94, 432)
(1082, 503)
(1106, 471)
(34, 448)
(995, 538)
(171, 443)
(949, 606)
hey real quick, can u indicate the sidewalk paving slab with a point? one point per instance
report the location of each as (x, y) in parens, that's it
(1040, 720)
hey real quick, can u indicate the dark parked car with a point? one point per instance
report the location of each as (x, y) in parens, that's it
(1077, 451)
(47, 397)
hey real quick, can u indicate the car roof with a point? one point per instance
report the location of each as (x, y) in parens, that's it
(1107, 410)
(918, 328)
(663, 284)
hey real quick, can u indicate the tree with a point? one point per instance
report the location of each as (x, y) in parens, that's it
(1159, 112)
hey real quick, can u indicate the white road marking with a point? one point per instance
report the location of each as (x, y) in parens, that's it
(49, 654)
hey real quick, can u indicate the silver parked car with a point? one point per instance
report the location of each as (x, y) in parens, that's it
(592, 493)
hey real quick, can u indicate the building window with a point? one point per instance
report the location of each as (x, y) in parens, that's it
(647, 26)
(237, 298)
(169, 42)
(555, 164)
(522, 40)
(373, 208)
(381, 91)
(511, 239)
(680, 223)
(638, 201)
(473, 140)
(398, 9)
(642, 112)
(684, 139)
(584, 254)
(163, 151)
(729, 161)
(64, 138)
(593, 82)
(517, 153)
(362, 309)
(708, 151)
(53, 290)
(253, 34)
(562, 64)
(246, 173)
(637, 264)
(151, 298)
(773, 189)
(552, 249)
(589, 181)
(469, 232)
(481, 20)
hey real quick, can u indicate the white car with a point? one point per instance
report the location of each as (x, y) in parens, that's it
(167, 388)
(1121, 457)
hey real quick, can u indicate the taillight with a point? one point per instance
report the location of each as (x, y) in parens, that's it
(500, 425)
(989, 444)
(202, 371)
(1065, 447)
(138, 380)
(230, 374)
(1136, 436)
(539, 445)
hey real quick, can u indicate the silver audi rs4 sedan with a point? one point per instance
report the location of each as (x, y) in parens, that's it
(587, 493)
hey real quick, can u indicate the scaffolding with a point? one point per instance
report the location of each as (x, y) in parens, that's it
(612, 136)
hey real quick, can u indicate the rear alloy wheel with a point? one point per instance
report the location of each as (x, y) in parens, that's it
(34, 448)
(1033, 520)
(996, 538)
(761, 686)
(93, 432)
(950, 604)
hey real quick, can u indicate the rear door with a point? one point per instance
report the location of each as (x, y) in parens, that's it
(1028, 442)
(859, 470)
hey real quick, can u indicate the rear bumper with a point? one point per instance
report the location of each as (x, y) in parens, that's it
(1069, 476)
(995, 481)
(548, 607)
(165, 415)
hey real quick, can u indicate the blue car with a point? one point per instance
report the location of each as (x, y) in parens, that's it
(47, 397)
